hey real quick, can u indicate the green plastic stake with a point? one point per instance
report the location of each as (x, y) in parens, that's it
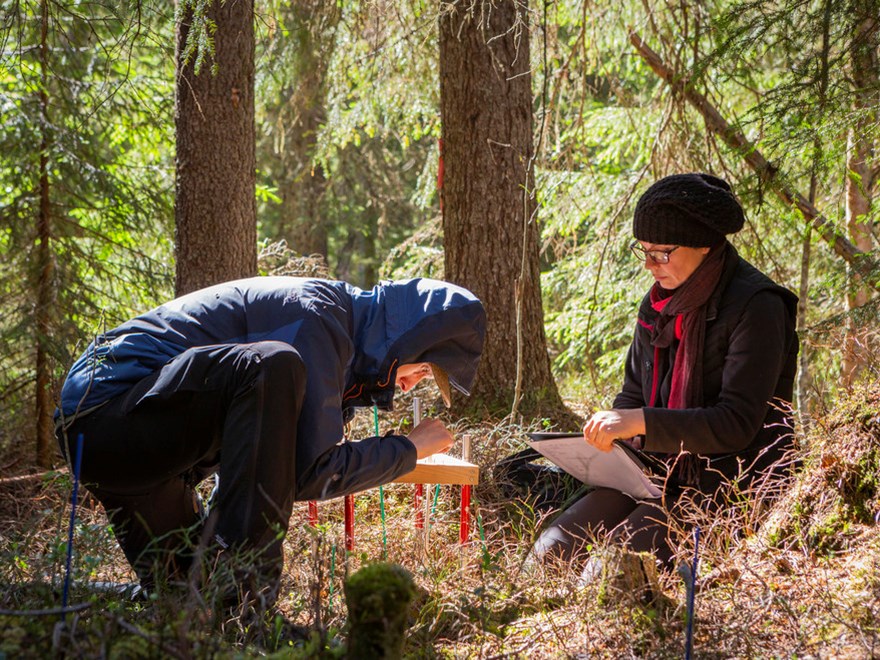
(381, 494)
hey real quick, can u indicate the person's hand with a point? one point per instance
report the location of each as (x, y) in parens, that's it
(607, 425)
(430, 437)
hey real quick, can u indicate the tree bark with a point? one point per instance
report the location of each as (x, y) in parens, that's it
(45, 266)
(301, 222)
(804, 376)
(215, 207)
(489, 209)
(860, 181)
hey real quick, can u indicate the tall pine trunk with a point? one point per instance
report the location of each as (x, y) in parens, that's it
(301, 221)
(865, 76)
(45, 264)
(215, 207)
(489, 210)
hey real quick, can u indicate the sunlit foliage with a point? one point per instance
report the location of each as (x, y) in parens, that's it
(85, 96)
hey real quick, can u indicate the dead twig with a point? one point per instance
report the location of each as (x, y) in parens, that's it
(134, 630)
(47, 612)
(25, 478)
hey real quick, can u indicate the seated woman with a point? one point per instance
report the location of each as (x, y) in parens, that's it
(708, 374)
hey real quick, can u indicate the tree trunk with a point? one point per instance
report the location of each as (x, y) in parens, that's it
(804, 376)
(860, 183)
(302, 223)
(215, 208)
(45, 268)
(489, 210)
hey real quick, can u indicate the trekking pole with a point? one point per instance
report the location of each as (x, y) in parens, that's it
(77, 463)
(689, 641)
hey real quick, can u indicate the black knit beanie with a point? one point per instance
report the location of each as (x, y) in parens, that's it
(693, 210)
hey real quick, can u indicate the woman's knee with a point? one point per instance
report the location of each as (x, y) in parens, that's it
(587, 519)
(646, 529)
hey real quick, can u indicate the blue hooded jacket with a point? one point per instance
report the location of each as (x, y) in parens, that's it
(351, 342)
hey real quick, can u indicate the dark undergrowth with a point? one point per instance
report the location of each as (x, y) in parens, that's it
(795, 575)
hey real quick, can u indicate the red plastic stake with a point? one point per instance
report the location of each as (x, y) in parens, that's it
(417, 419)
(313, 513)
(349, 523)
(464, 527)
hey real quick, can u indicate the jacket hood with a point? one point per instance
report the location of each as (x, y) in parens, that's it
(409, 321)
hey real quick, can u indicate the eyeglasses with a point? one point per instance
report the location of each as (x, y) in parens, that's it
(657, 256)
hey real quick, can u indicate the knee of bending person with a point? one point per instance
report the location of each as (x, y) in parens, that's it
(271, 349)
(276, 355)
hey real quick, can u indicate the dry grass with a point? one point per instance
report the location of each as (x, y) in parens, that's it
(801, 580)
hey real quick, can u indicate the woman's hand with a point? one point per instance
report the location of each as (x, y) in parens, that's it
(606, 426)
(430, 437)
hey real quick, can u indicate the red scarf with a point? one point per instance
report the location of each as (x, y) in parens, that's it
(682, 316)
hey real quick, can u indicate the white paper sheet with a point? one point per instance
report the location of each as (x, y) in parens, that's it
(612, 469)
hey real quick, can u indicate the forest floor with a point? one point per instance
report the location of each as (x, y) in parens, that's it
(796, 578)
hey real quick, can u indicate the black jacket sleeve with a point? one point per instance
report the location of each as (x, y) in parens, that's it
(350, 467)
(325, 465)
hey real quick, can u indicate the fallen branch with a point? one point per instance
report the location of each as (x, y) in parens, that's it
(36, 476)
(47, 612)
(860, 261)
(152, 639)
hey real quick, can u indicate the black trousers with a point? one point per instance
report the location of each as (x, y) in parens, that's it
(231, 409)
(641, 526)
(650, 525)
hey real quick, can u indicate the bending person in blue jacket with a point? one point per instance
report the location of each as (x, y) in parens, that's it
(254, 379)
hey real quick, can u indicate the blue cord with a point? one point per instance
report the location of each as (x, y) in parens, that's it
(73, 498)
(691, 596)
